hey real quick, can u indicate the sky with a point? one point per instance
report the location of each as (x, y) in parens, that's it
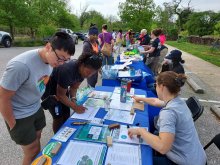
(110, 7)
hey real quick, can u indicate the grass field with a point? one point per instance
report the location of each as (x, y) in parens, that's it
(204, 52)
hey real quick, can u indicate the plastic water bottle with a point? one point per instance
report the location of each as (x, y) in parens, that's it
(123, 91)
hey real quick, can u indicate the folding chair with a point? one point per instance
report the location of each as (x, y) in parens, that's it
(195, 107)
(215, 140)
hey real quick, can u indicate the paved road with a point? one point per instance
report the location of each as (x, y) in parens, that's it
(207, 125)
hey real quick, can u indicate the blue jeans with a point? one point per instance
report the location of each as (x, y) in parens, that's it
(107, 60)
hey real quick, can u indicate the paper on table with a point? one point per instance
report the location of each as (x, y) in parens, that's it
(124, 74)
(123, 154)
(116, 96)
(91, 102)
(81, 152)
(116, 104)
(100, 95)
(89, 114)
(64, 134)
(120, 116)
(123, 136)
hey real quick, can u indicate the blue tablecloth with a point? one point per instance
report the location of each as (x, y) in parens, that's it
(143, 83)
(141, 119)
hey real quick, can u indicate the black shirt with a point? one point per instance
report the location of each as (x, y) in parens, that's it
(156, 44)
(145, 40)
(178, 68)
(64, 75)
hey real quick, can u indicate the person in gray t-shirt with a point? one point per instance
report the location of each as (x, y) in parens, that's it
(178, 140)
(21, 87)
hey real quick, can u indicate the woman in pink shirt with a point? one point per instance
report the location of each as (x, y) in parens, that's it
(162, 38)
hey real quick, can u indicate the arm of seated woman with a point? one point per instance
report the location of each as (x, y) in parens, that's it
(151, 101)
(161, 143)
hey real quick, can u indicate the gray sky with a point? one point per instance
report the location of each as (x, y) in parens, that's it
(110, 7)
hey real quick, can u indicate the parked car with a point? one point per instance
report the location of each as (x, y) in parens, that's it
(68, 31)
(86, 35)
(80, 35)
(71, 33)
(5, 39)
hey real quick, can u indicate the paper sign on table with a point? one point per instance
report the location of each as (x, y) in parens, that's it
(116, 104)
(120, 116)
(89, 113)
(118, 154)
(77, 152)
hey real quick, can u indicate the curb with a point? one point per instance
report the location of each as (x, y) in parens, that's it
(216, 110)
(194, 86)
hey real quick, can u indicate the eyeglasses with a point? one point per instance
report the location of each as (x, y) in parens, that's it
(58, 58)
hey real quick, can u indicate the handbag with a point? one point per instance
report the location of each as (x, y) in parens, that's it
(106, 48)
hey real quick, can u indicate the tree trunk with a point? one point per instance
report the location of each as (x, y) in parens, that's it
(11, 31)
(32, 33)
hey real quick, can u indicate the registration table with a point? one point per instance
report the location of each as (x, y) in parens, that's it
(141, 120)
(140, 83)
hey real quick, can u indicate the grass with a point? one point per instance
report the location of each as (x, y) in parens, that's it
(207, 53)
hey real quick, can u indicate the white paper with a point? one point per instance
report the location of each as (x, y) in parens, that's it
(76, 151)
(89, 113)
(100, 95)
(123, 154)
(124, 73)
(120, 116)
(116, 104)
(118, 67)
(123, 136)
(64, 134)
(91, 102)
(95, 132)
(116, 96)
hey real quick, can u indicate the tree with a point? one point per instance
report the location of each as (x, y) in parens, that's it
(11, 13)
(137, 14)
(164, 18)
(183, 13)
(93, 17)
(202, 23)
(83, 15)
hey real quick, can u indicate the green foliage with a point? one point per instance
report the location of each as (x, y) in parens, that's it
(35, 14)
(217, 29)
(28, 42)
(172, 34)
(202, 23)
(201, 51)
(92, 17)
(184, 33)
(46, 30)
(137, 14)
(163, 18)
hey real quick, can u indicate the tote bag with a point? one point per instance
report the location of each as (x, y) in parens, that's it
(106, 48)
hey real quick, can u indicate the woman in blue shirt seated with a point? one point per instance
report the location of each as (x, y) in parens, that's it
(178, 140)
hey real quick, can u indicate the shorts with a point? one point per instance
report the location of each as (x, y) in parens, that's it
(24, 131)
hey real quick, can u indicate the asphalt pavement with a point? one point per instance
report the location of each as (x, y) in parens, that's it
(206, 74)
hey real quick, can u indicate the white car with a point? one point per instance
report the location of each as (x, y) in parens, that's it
(5, 39)
(71, 33)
